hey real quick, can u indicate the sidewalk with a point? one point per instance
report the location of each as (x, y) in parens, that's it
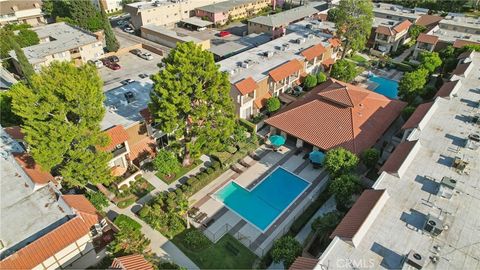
(160, 245)
(327, 207)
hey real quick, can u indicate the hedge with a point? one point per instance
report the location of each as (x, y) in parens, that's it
(251, 127)
(404, 67)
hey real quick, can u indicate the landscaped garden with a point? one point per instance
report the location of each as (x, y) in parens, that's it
(127, 195)
(227, 253)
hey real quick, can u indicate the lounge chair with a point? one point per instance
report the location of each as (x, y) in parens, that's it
(200, 217)
(244, 164)
(236, 169)
(254, 156)
(193, 212)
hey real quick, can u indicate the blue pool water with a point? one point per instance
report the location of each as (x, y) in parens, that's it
(386, 87)
(264, 203)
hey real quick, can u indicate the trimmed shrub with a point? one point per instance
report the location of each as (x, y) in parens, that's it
(310, 82)
(273, 104)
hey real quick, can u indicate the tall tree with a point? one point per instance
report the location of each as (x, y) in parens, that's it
(430, 61)
(110, 39)
(343, 187)
(190, 99)
(412, 84)
(340, 160)
(25, 66)
(344, 70)
(353, 21)
(62, 109)
(85, 15)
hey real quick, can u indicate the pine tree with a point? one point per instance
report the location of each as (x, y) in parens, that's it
(25, 66)
(62, 109)
(191, 98)
(110, 39)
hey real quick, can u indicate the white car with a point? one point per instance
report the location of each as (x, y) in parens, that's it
(96, 63)
(129, 30)
(146, 56)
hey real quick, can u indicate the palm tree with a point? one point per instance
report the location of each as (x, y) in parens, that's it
(182, 209)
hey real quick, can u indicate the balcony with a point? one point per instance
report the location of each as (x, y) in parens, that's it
(119, 151)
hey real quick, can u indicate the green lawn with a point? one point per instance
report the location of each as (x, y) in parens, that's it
(358, 58)
(179, 174)
(217, 256)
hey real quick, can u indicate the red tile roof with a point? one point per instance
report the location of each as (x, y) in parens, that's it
(15, 132)
(428, 20)
(398, 156)
(322, 17)
(357, 215)
(246, 86)
(131, 262)
(338, 114)
(417, 115)
(461, 68)
(328, 62)
(460, 43)
(46, 246)
(262, 101)
(446, 89)
(34, 171)
(313, 52)
(117, 136)
(303, 263)
(384, 30)
(142, 150)
(403, 26)
(429, 39)
(335, 42)
(285, 70)
(80, 203)
(465, 54)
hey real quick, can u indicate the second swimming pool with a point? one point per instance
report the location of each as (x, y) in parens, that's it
(262, 205)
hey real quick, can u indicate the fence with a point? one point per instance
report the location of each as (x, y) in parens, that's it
(215, 236)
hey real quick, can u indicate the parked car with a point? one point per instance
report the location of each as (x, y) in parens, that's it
(146, 56)
(96, 63)
(143, 75)
(122, 22)
(129, 30)
(105, 61)
(113, 59)
(113, 66)
(127, 81)
(223, 33)
(136, 52)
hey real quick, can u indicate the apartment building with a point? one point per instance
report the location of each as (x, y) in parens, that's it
(170, 37)
(277, 66)
(163, 12)
(221, 13)
(421, 212)
(25, 11)
(276, 24)
(397, 13)
(425, 43)
(40, 228)
(389, 35)
(61, 42)
(457, 30)
(108, 5)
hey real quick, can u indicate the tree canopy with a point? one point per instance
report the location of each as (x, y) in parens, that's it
(327, 223)
(191, 99)
(24, 37)
(25, 66)
(353, 20)
(166, 162)
(61, 109)
(128, 241)
(273, 104)
(321, 77)
(7, 117)
(430, 61)
(111, 41)
(344, 70)
(310, 81)
(85, 15)
(286, 249)
(340, 160)
(412, 84)
(415, 30)
(370, 157)
(343, 187)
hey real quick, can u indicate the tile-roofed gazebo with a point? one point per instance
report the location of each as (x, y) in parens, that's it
(338, 114)
(351, 228)
(131, 262)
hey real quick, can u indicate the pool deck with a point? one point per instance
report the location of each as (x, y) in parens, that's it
(221, 220)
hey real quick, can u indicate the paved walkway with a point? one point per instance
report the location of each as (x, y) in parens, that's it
(327, 207)
(404, 55)
(160, 245)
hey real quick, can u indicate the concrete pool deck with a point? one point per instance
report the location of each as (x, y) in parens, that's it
(224, 221)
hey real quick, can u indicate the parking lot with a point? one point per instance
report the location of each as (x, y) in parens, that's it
(131, 67)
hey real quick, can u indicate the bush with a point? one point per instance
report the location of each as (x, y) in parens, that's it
(286, 249)
(310, 82)
(370, 157)
(428, 92)
(407, 112)
(403, 67)
(251, 127)
(210, 170)
(97, 199)
(216, 165)
(321, 77)
(273, 104)
(231, 149)
(196, 240)
(340, 160)
(123, 221)
(343, 187)
(166, 162)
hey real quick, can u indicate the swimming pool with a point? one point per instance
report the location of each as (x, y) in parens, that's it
(385, 86)
(262, 205)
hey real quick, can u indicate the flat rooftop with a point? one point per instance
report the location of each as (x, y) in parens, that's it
(377, 21)
(232, 47)
(399, 11)
(225, 6)
(171, 33)
(451, 35)
(26, 214)
(144, 5)
(121, 112)
(453, 19)
(291, 15)
(63, 37)
(260, 65)
(196, 21)
(398, 228)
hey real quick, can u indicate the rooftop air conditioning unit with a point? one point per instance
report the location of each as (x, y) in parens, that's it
(245, 65)
(433, 225)
(310, 36)
(268, 54)
(300, 40)
(394, 8)
(415, 259)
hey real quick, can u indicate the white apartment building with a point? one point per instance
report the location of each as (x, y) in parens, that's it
(164, 12)
(62, 42)
(108, 5)
(24, 11)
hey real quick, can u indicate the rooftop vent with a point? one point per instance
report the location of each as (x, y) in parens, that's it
(300, 40)
(268, 54)
(415, 259)
(433, 225)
